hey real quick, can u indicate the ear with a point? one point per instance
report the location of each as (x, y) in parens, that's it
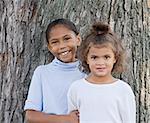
(79, 40)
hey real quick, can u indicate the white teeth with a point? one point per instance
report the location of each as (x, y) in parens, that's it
(65, 53)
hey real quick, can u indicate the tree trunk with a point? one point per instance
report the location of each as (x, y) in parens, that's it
(23, 45)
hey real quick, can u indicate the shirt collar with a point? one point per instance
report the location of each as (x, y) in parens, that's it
(64, 66)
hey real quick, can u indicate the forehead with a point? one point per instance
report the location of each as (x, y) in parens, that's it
(60, 31)
(100, 50)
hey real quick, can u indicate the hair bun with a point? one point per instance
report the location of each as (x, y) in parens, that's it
(100, 28)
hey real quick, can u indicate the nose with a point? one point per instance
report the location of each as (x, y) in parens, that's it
(62, 45)
(100, 61)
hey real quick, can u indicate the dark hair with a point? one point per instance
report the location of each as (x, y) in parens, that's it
(102, 35)
(67, 23)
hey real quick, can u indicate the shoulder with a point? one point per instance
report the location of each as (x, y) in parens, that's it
(75, 88)
(125, 87)
(123, 84)
(42, 68)
(76, 84)
(39, 68)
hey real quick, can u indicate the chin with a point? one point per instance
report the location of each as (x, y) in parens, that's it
(67, 60)
(101, 75)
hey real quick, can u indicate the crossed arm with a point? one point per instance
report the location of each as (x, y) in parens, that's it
(33, 116)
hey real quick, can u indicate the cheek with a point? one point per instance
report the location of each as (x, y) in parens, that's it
(87, 61)
(110, 63)
(91, 65)
(50, 48)
(114, 61)
(53, 50)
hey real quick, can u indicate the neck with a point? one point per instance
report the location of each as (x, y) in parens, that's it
(101, 80)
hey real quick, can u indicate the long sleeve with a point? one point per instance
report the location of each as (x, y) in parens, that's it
(128, 107)
(72, 100)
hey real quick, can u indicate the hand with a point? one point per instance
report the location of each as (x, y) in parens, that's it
(74, 116)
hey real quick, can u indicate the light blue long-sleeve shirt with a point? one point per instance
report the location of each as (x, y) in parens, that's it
(49, 86)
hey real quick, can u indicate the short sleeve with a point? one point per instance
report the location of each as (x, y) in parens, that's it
(34, 99)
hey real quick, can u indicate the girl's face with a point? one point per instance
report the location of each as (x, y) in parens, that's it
(100, 61)
(63, 43)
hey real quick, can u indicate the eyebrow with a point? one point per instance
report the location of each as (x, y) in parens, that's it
(66, 35)
(53, 40)
(107, 54)
(57, 39)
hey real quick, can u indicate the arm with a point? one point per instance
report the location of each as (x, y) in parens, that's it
(128, 112)
(34, 103)
(72, 100)
(39, 117)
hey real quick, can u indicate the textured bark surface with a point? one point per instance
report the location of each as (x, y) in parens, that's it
(23, 46)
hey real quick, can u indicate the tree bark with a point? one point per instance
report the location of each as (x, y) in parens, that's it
(23, 45)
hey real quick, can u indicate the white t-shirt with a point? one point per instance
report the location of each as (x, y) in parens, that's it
(102, 103)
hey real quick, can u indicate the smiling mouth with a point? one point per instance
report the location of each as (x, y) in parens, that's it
(65, 53)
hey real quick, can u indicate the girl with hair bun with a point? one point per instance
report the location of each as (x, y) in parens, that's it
(100, 97)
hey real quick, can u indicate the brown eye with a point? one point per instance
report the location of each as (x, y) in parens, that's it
(93, 57)
(67, 38)
(53, 42)
(106, 56)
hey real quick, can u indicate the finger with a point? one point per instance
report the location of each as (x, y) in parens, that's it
(74, 112)
(77, 113)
